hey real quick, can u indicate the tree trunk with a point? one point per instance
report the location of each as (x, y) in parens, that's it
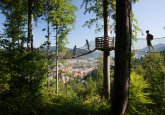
(30, 18)
(48, 42)
(56, 59)
(106, 62)
(122, 58)
(19, 31)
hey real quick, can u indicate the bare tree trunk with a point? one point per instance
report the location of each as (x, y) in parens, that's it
(106, 62)
(122, 58)
(30, 18)
(19, 35)
(48, 41)
(56, 59)
(32, 42)
(19, 32)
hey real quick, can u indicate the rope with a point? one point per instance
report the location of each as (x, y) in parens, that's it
(85, 53)
(144, 51)
(153, 38)
(78, 55)
(137, 50)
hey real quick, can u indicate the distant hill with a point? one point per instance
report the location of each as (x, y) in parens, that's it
(79, 51)
(95, 54)
(157, 48)
(52, 49)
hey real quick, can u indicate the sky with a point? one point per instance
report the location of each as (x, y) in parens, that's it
(151, 16)
(149, 13)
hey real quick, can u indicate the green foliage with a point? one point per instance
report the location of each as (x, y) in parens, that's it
(96, 7)
(154, 67)
(76, 98)
(61, 15)
(139, 97)
(151, 67)
(23, 74)
(25, 92)
(15, 14)
(73, 106)
(22, 78)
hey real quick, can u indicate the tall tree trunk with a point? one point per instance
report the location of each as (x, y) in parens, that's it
(57, 59)
(106, 62)
(48, 41)
(122, 58)
(18, 35)
(18, 26)
(30, 18)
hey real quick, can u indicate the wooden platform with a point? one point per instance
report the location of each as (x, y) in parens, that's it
(104, 43)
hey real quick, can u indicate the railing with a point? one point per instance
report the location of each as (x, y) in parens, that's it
(104, 43)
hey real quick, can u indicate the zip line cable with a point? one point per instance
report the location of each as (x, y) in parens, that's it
(90, 51)
(137, 50)
(83, 54)
(79, 55)
(145, 51)
(153, 38)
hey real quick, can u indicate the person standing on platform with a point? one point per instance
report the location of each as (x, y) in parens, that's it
(149, 38)
(87, 43)
(74, 50)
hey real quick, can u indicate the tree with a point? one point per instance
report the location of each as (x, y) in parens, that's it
(106, 67)
(95, 6)
(139, 97)
(30, 18)
(154, 67)
(101, 9)
(21, 79)
(35, 10)
(18, 13)
(15, 15)
(62, 18)
(122, 57)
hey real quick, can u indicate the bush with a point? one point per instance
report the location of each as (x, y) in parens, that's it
(138, 97)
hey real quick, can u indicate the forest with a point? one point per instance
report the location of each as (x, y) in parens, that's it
(133, 86)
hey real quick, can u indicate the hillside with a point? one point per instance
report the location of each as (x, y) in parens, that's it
(158, 48)
(95, 54)
(79, 51)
